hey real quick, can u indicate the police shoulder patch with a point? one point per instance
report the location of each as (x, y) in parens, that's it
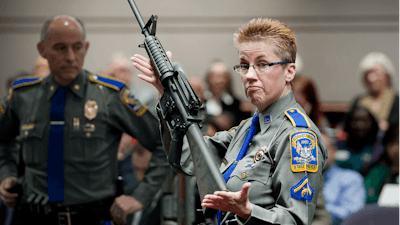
(303, 151)
(6, 101)
(302, 191)
(26, 81)
(297, 118)
(132, 103)
(107, 81)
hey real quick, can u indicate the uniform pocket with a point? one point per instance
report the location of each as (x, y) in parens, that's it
(86, 142)
(246, 171)
(33, 139)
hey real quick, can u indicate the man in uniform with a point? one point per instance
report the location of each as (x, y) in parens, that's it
(71, 123)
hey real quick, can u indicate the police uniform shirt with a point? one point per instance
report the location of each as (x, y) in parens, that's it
(98, 109)
(282, 192)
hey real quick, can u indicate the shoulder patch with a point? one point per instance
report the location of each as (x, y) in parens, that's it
(6, 101)
(107, 81)
(132, 103)
(302, 191)
(26, 81)
(303, 151)
(297, 118)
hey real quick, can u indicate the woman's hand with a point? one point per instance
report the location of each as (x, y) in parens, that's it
(235, 202)
(149, 75)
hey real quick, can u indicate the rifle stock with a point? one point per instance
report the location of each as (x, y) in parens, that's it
(179, 107)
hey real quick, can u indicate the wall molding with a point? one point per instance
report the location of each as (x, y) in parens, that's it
(319, 24)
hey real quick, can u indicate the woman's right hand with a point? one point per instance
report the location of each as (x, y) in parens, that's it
(149, 75)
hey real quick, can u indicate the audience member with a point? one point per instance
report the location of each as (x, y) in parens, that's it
(388, 170)
(120, 68)
(198, 87)
(305, 92)
(362, 149)
(344, 189)
(226, 109)
(41, 67)
(208, 126)
(376, 71)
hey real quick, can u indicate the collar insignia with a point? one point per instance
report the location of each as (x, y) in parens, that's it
(267, 119)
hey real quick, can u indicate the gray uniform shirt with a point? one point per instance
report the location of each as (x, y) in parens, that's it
(90, 144)
(272, 178)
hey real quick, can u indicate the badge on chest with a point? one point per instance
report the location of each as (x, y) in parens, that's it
(91, 108)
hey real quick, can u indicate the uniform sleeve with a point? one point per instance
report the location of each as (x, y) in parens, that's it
(321, 215)
(134, 118)
(9, 148)
(285, 182)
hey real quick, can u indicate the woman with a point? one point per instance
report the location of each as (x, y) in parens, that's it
(223, 107)
(305, 92)
(376, 70)
(274, 179)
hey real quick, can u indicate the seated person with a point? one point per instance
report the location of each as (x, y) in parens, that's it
(376, 70)
(343, 189)
(388, 170)
(361, 150)
(225, 109)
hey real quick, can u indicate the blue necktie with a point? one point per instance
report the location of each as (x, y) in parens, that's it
(55, 152)
(243, 151)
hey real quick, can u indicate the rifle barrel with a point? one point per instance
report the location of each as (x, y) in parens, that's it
(139, 17)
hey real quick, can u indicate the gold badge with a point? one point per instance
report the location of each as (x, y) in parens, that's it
(76, 123)
(29, 125)
(259, 154)
(91, 108)
(89, 129)
(263, 151)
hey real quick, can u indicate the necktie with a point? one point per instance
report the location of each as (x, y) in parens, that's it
(55, 151)
(243, 151)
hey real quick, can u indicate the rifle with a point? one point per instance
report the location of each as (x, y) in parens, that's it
(179, 108)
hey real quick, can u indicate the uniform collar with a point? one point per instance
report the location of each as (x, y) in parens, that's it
(75, 87)
(275, 110)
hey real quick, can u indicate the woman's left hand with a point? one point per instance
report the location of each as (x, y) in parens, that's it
(235, 202)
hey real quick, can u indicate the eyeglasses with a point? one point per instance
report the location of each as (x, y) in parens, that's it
(258, 67)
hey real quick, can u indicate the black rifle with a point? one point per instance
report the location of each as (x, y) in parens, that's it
(179, 107)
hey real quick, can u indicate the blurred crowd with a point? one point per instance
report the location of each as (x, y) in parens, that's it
(363, 147)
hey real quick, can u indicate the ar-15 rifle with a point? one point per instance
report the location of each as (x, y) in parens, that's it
(179, 107)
